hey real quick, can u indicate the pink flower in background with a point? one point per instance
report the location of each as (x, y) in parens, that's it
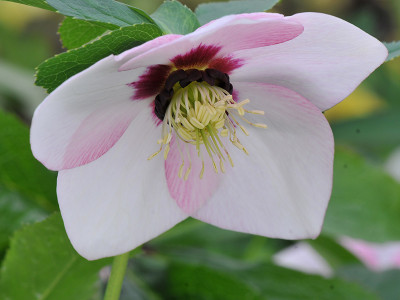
(378, 257)
(236, 110)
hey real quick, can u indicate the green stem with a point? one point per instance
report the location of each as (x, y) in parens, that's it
(117, 277)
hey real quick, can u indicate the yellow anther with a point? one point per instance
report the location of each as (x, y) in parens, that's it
(215, 167)
(202, 170)
(260, 125)
(221, 166)
(187, 124)
(224, 132)
(187, 173)
(204, 117)
(181, 170)
(166, 150)
(196, 123)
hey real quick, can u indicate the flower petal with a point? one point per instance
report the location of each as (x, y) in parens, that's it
(324, 64)
(192, 193)
(121, 200)
(220, 38)
(85, 116)
(129, 54)
(283, 187)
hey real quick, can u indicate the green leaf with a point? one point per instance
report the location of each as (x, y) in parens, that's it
(202, 275)
(106, 11)
(75, 32)
(385, 284)
(15, 210)
(207, 12)
(54, 71)
(394, 49)
(192, 234)
(41, 264)
(365, 200)
(336, 255)
(377, 131)
(19, 170)
(36, 3)
(174, 17)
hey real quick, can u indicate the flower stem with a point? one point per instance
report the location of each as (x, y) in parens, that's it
(117, 277)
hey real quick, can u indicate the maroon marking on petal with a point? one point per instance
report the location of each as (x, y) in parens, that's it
(151, 82)
(226, 64)
(197, 57)
(156, 120)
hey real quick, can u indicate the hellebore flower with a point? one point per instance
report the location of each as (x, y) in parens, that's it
(206, 98)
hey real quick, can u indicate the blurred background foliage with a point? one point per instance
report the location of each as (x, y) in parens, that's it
(196, 260)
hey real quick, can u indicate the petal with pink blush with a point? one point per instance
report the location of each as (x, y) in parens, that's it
(249, 32)
(282, 188)
(129, 54)
(192, 193)
(120, 200)
(324, 64)
(84, 117)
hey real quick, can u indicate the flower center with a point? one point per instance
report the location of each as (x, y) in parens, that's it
(201, 111)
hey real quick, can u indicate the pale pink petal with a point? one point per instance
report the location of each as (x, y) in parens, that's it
(324, 64)
(378, 257)
(192, 193)
(302, 257)
(282, 188)
(85, 116)
(129, 54)
(120, 200)
(219, 39)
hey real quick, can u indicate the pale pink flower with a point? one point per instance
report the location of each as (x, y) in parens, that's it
(99, 127)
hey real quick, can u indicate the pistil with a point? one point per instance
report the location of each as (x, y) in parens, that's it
(204, 115)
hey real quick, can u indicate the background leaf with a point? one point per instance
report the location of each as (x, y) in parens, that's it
(385, 284)
(173, 17)
(394, 49)
(41, 264)
(36, 3)
(54, 71)
(207, 12)
(15, 211)
(365, 200)
(75, 32)
(19, 170)
(199, 274)
(106, 11)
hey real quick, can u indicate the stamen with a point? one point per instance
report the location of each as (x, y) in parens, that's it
(201, 114)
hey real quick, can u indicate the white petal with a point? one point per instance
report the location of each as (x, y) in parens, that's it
(85, 116)
(220, 38)
(324, 64)
(283, 187)
(120, 200)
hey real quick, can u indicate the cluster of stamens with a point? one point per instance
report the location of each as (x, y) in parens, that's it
(203, 115)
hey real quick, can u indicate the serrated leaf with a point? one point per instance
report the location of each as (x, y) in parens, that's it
(75, 32)
(207, 12)
(166, 17)
(106, 11)
(54, 71)
(199, 274)
(394, 50)
(365, 200)
(19, 170)
(36, 3)
(41, 264)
